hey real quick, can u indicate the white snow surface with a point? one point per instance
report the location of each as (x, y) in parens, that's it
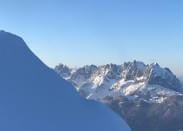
(34, 98)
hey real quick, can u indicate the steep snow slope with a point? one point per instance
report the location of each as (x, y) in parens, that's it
(34, 98)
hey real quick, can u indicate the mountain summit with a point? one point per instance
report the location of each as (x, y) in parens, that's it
(34, 98)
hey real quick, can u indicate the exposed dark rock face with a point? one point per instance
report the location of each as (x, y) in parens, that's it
(66, 71)
(133, 70)
(162, 76)
(83, 73)
(152, 74)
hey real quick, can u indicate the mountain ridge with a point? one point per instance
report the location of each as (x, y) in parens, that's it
(134, 72)
(147, 96)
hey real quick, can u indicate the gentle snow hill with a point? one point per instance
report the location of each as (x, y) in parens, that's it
(34, 98)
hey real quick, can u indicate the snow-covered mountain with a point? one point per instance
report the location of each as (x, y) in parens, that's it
(132, 79)
(130, 85)
(34, 98)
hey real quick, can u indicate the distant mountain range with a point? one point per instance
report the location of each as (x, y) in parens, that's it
(148, 97)
(34, 98)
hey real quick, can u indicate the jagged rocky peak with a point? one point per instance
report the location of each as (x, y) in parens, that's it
(162, 76)
(110, 71)
(84, 73)
(89, 68)
(152, 74)
(133, 70)
(137, 71)
(63, 70)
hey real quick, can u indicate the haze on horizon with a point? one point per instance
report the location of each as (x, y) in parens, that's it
(98, 32)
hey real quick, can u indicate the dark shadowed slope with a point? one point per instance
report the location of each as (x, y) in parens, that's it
(34, 98)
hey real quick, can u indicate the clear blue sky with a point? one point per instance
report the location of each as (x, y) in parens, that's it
(78, 32)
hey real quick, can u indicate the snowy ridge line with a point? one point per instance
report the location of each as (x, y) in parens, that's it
(134, 80)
